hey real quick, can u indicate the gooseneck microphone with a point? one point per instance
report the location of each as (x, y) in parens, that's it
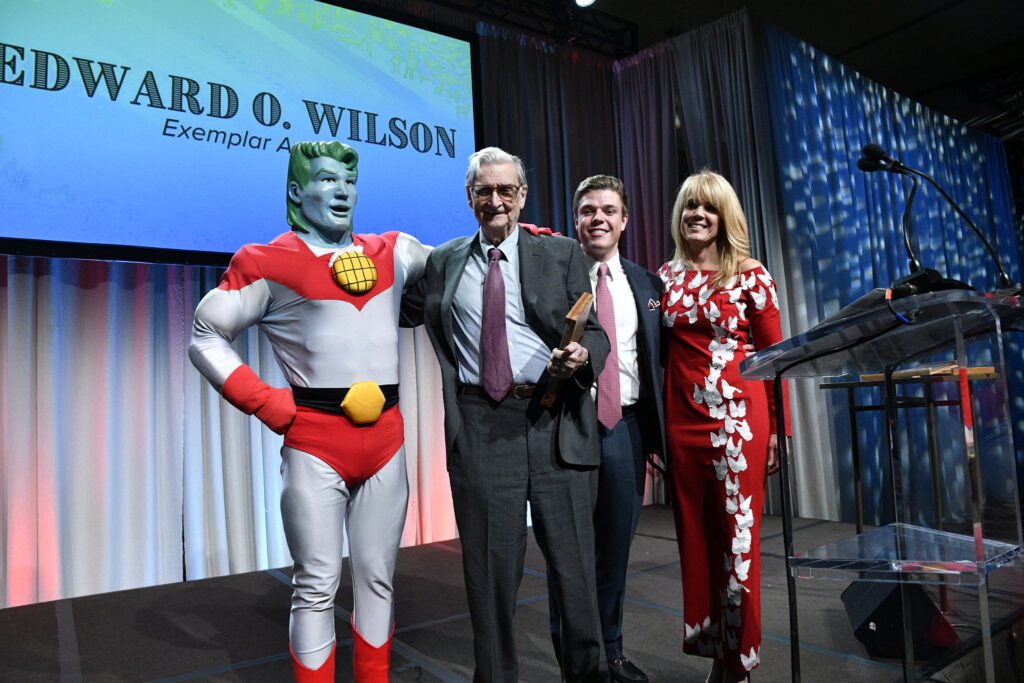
(875, 159)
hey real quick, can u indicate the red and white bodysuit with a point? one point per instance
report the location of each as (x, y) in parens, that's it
(337, 476)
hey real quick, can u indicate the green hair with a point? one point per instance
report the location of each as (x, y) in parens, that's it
(298, 171)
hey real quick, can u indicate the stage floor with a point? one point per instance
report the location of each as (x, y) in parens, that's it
(235, 628)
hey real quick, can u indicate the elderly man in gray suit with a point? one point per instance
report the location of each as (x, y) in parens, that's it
(494, 305)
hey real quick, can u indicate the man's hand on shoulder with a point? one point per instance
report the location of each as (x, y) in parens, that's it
(534, 230)
(565, 362)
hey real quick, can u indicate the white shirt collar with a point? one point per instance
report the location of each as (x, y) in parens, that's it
(614, 265)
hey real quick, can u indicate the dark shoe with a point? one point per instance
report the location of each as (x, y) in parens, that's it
(625, 671)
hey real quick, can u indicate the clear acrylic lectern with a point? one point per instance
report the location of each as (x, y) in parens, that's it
(980, 530)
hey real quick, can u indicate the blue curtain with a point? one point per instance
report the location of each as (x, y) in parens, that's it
(842, 226)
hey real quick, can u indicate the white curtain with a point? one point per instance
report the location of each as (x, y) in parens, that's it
(120, 467)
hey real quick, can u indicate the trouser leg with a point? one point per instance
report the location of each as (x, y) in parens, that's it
(313, 507)
(489, 484)
(619, 499)
(562, 500)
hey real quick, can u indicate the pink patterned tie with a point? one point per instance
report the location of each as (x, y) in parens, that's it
(609, 396)
(494, 362)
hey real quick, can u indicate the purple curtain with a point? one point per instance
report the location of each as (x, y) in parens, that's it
(646, 124)
(551, 106)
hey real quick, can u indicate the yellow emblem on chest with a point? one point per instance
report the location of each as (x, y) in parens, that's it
(354, 272)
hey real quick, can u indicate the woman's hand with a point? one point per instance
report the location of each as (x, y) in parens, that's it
(773, 455)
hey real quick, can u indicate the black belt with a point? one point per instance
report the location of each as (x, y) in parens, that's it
(329, 400)
(520, 391)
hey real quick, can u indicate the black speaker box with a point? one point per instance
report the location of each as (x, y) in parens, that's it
(875, 612)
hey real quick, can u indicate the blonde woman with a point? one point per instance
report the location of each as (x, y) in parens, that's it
(720, 429)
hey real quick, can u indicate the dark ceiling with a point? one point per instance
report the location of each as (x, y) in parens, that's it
(964, 58)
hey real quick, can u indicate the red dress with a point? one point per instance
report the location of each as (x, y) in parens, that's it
(717, 427)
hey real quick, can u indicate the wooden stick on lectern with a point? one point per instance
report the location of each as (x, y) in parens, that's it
(575, 322)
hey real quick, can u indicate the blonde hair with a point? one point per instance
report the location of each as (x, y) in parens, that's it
(733, 240)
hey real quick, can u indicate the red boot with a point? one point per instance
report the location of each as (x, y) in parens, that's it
(325, 674)
(370, 664)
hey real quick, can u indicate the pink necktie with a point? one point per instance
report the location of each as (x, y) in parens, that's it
(495, 365)
(609, 396)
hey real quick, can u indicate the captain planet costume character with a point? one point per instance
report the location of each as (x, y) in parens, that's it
(328, 301)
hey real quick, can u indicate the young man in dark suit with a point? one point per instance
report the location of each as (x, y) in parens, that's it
(628, 395)
(494, 305)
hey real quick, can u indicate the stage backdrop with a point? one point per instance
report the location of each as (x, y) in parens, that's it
(119, 466)
(167, 125)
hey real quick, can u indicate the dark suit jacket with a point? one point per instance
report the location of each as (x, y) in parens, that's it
(552, 275)
(646, 288)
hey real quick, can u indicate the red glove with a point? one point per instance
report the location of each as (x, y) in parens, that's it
(274, 407)
(533, 229)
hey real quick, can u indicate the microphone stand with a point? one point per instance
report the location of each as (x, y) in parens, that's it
(1004, 280)
(920, 279)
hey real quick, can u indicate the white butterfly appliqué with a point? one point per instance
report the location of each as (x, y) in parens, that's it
(738, 426)
(738, 464)
(732, 487)
(741, 542)
(698, 279)
(751, 661)
(721, 468)
(704, 294)
(735, 592)
(710, 630)
(742, 567)
(759, 297)
(729, 391)
(737, 408)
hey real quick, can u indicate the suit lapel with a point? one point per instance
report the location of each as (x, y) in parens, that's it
(454, 267)
(529, 262)
(642, 294)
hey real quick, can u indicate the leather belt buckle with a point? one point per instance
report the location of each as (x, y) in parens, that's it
(522, 391)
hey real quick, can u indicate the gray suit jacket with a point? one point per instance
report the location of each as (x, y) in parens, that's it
(552, 275)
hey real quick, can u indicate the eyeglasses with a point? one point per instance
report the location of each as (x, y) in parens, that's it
(505, 192)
